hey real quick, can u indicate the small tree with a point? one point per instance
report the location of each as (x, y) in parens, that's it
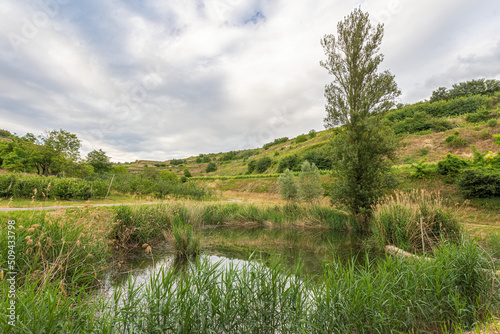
(100, 161)
(357, 98)
(187, 173)
(287, 186)
(211, 167)
(310, 185)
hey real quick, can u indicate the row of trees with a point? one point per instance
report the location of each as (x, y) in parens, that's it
(55, 152)
(467, 88)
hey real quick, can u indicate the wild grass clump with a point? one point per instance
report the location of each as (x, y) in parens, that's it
(135, 226)
(55, 246)
(405, 219)
(186, 243)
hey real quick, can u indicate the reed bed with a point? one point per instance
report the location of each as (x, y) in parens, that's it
(414, 221)
(453, 292)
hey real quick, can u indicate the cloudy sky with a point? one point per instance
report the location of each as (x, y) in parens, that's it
(169, 79)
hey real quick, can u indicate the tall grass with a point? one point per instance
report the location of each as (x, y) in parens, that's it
(56, 246)
(134, 226)
(396, 221)
(185, 242)
(395, 295)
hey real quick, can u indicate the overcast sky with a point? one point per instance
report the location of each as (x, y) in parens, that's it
(170, 79)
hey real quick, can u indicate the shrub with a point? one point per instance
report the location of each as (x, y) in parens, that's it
(287, 187)
(480, 116)
(485, 134)
(300, 139)
(496, 138)
(176, 162)
(492, 122)
(423, 151)
(312, 134)
(290, 162)
(251, 166)
(396, 221)
(262, 164)
(187, 173)
(479, 182)
(455, 141)
(211, 167)
(275, 142)
(310, 187)
(451, 165)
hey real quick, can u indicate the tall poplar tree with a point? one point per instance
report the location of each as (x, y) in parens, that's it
(357, 99)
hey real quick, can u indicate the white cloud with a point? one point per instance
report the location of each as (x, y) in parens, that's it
(158, 80)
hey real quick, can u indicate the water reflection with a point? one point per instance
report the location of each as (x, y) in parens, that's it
(237, 244)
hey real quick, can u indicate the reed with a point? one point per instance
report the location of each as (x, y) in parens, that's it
(413, 221)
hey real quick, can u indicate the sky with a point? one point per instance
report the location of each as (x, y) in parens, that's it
(171, 79)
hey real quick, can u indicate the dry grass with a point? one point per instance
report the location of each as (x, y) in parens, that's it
(438, 148)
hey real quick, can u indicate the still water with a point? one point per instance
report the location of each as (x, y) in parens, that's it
(237, 245)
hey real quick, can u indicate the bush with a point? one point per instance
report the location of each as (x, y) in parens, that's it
(263, 164)
(291, 162)
(251, 166)
(456, 142)
(211, 167)
(310, 187)
(275, 142)
(480, 116)
(177, 162)
(300, 139)
(496, 138)
(451, 166)
(312, 134)
(492, 122)
(396, 221)
(287, 187)
(479, 182)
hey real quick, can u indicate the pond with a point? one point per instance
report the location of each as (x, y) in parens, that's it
(236, 245)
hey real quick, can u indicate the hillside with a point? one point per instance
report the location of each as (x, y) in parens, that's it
(428, 145)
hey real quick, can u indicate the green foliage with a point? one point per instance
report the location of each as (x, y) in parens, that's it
(312, 134)
(186, 244)
(451, 166)
(492, 122)
(99, 161)
(160, 164)
(177, 162)
(472, 87)
(287, 187)
(481, 181)
(252, 164)
(135, 226)
(423, 151)
(168, 176)
(480, 116)
(4, 133)
(38, 187)
(420, 169)
(275, 142)
(455, 141)
(289, 162)
(211, 167)
(120, 169)
(263, 164)
(187, 173)
(300, 139)
(454, 107)
(397, 222)
(310, 185)
(357, 92)
(496, 138)
(421, 122)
